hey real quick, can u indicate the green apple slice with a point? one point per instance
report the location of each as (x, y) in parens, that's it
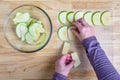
(78, 15)
(66, 48)
(21, 30)
(71, 36)
(96, 18)
(88, 17)
(105, 18)
(29, 22)
(35, 30)
(62, 33)
(62, 17)
(76, 58)
(42, 39)
(29, 38)
(21, 18)
(70, 16)
(18, 14)
(39, 22)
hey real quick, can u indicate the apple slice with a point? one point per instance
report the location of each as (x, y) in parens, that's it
(21, 18)
(70, 16)
(78, 15)
(42, 39)
(35, 29)
(71, 36)
(29, 38)
(88, 17)
(105, 18)
(76, 58)
(66, 48)
(21, 30)
(62, 17)
(62, 33)
(96, 18)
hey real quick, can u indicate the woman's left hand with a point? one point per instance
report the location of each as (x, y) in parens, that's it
(64, 64)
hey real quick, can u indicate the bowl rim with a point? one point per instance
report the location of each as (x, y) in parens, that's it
(7, 18)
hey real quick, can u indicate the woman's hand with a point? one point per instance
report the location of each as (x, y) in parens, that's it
(64, 64)
(84, 30)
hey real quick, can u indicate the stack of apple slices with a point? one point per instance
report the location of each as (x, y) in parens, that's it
(28, 29)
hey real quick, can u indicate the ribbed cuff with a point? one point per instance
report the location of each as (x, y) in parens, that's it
(59, 76)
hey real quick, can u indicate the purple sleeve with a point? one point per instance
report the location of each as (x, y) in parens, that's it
(101, 64)
(58, 76)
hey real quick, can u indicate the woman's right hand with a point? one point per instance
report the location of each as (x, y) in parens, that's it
(84, 30)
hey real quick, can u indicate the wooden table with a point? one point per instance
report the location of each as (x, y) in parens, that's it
(15, 65)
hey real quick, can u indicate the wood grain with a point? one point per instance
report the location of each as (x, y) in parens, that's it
(15, 65)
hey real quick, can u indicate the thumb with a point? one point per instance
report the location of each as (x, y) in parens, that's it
(70, 66)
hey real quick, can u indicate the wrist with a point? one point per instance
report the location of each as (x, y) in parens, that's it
(63, 73)
(60, 76)
(88, 40)
(86, 37)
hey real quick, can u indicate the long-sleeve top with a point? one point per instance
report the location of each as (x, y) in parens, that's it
(103, 68)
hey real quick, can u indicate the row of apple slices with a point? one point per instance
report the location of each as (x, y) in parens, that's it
(96, 18)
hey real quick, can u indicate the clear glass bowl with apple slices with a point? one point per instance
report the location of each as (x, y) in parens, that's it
(28, 28)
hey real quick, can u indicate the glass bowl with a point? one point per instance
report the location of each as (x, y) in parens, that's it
(10, 29)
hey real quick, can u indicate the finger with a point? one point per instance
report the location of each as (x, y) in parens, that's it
(64, 56)
(63, 59)
(69, 55)
(69, 59)
(76, 33)
(84, 23)
(68, 62)
(79, 20)
(71, 64)
(78, 25)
